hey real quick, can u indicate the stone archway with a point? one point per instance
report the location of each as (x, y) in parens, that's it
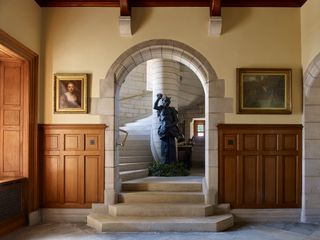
(107, 106)
(311, 142)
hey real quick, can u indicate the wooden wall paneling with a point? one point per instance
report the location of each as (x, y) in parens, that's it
(269, 189)
(80, 149)
(51, 179)
(267, 168)
(92, 179)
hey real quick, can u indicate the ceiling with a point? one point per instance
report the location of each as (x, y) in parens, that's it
(170, 3)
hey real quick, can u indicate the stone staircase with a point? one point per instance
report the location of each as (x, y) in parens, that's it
(135, 155)
(161, 204)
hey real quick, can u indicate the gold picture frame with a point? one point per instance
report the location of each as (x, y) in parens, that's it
(70, 93)
(264, 91)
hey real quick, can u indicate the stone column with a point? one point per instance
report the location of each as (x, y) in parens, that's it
(163, 76)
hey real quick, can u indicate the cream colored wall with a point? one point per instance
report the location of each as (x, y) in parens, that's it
(310, 31)
(87, 40)
(21, 19)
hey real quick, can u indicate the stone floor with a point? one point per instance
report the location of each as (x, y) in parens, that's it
(79, 231)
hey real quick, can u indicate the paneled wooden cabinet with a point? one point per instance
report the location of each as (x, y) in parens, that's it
(72, 162)
(260, 165)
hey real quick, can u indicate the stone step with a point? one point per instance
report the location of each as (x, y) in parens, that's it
(133, 166)
(161, 197)
(135, 159)
(161, 209)
(138, 137)
(136, 152)
(139, 131)
(165, 185)
(136, 145)
(105, 223)
(133, 174)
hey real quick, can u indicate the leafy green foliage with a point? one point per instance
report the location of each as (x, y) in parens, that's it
(168, 170)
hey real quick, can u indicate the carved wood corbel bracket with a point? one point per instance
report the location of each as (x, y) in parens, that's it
(215, 20)
(125, 19)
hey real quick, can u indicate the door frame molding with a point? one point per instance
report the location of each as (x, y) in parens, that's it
(31, 164)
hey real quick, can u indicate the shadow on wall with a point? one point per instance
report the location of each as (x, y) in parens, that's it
(139, 17)
(233, 18)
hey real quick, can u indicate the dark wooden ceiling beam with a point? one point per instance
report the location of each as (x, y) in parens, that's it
(125, 9)
(215, 7)
(171, 3)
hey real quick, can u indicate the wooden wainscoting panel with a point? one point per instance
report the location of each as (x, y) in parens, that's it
(51, 179)
(52, 142)
(12, 156)
(249, 175)
(73, 142)
(92, 179)
(72, 180)
(269, 142)
(260, 165)
(250, 142)
(270, 169)
(73, 158)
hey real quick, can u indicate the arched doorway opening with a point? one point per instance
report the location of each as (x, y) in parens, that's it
(216, 105)
(311, 143)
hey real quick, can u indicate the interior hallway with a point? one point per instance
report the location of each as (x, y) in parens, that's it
(79, 231)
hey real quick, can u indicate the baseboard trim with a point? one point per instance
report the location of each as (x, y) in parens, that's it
(65, 214)
(267, 215)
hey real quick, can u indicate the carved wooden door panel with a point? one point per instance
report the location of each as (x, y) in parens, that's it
(12, 104)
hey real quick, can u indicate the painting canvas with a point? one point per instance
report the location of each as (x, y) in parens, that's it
(70, 93)
(264, 91)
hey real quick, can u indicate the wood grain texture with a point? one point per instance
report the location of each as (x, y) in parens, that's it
(29, 89)
(77, 173)
(263, 169)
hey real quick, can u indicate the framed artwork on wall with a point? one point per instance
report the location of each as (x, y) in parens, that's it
(70, 94)
(264, 91)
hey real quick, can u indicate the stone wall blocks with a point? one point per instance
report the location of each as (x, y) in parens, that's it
(109, 144)
(107, 87)
(312, 148)
(317, 60)
(312, 130)
(312, 113)
(217, 89)
(137, 58)
(213, 119)
(156, 52)
(105, 106)
(220, 105)
(312, 167)
(146, 54)
(312, 185)
(313, 69)
(120, 74)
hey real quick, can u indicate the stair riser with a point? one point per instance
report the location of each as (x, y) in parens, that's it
(165, 225)
(138, 137)
(136, 152)
(136, 159)
(168, 211)
(177, 187)
(160, 198)
(134, 167)
(134, 175)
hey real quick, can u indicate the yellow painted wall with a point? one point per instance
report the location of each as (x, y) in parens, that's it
(21, 19)
(87, 40)
(310, 31)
